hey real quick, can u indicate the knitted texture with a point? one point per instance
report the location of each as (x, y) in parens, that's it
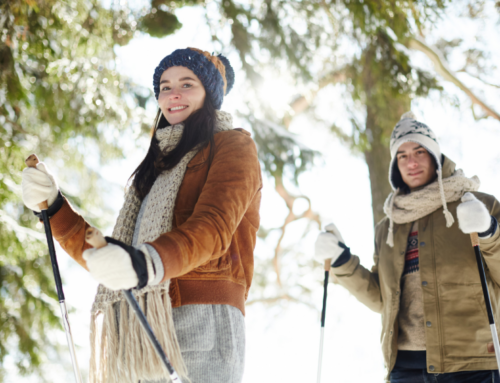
(407, 208)
(124, 362)
(212, 340)
(206, 71)
(229, 73)
(411, 256)
(408, 129)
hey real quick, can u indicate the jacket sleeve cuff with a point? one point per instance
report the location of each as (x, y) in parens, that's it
(492, 238)
(159, 271)
(344, 257)
(54, 208)
(348, 268)
(491, 231)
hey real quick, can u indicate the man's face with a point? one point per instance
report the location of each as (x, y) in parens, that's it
(415, 165)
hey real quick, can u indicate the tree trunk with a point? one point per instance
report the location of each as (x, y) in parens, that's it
(378, 159)
(384, 108)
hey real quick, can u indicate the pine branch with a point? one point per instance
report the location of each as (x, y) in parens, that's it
(21, 231)
(442, 68)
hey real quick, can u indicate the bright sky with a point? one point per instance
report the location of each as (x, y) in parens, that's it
(283, 342)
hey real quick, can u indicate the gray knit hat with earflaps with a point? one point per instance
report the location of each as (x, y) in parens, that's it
(408, 129)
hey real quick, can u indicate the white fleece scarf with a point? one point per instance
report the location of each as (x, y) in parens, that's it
(405, 208)
(123, 353)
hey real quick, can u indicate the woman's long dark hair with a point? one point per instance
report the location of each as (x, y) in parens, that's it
(199, 130)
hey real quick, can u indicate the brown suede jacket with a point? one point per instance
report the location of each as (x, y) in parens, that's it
(208, 255)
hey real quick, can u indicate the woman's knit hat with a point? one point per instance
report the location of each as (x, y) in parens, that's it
(215, 72)
(408, 129)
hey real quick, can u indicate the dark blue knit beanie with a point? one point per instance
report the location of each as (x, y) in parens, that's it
(206, 71)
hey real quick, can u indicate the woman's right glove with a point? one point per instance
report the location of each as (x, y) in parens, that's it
(119, 266)
(38, 185)
(329, 245)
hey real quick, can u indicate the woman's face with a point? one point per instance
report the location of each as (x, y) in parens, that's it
(181, 93)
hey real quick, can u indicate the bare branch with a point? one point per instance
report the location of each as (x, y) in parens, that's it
(476, 117)
(279, 298)
(464, 70)
(291, 217)
(302, 103)
(442, 68)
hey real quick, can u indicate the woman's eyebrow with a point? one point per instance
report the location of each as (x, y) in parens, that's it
(182, 79)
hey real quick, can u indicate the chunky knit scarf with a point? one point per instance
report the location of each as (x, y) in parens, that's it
(405, 208)
(122, 353)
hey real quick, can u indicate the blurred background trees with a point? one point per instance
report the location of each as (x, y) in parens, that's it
(361, 47)
(62, 96)
(59, 92)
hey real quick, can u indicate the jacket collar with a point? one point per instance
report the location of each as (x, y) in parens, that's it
(448, 167)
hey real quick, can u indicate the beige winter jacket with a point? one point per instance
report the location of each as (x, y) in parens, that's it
(457, 332)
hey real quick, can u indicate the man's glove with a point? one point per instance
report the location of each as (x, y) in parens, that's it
(329, 245)
(38, 185)
(473, 216)
(119, 266)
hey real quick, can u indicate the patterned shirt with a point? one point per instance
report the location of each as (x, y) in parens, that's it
(411, 256)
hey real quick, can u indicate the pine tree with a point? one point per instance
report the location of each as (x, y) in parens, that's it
(59, 89)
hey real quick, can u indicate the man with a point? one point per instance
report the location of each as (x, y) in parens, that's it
(425, 280)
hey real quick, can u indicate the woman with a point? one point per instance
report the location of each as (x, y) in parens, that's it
(184, 237)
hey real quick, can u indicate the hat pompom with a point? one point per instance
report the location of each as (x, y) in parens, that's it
(409, 114)
(229, 73)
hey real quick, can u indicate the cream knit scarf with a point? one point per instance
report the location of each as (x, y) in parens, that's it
(122, 353)
(405, 208)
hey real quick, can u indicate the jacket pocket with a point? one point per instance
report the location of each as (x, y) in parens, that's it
(464, 319)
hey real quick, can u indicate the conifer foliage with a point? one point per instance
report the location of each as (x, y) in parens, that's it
(59, 89)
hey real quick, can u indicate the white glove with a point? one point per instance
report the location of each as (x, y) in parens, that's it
(472, 214)
(327, 245)
(112, 267)
(38, 185)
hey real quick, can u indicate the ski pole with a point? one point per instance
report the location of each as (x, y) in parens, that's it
(96, 239)
(479, 259)
(323, 315)
(31, 162)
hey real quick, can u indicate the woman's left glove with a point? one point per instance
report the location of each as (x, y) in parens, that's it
(38, 185)
(473, 216)
(119, 266)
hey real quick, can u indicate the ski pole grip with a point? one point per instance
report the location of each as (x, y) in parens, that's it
(328, 263)
(474, 237)
(95, 238)
(31, 162)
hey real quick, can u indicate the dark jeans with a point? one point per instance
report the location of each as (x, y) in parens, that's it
(422, 376)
